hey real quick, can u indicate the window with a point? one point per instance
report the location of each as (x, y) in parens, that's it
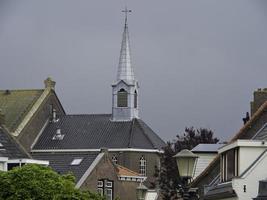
(114, 159)
(100, 187)
(105, 187)
(109, 190)
(76, 161)
(122, 99)
(135, 99)
(142, 166)
(229, 165)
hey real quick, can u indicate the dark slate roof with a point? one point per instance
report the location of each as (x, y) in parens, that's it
(15, 104)
(261, 134)
(220, 191)
(61, 162)
(9, 147)
(208, 148)
(98, 131)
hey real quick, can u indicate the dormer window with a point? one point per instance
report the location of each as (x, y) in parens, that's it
(58, 135)
(122, 100)
(229, 165)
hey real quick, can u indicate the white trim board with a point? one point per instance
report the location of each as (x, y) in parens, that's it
(97, 150)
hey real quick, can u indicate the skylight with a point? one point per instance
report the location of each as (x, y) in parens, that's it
(76, 161)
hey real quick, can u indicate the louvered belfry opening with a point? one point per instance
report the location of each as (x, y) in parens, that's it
(135, 99)
(122, 98)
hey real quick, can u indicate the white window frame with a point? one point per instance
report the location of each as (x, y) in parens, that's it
(76, 161)
(142, 166)
(114, 159)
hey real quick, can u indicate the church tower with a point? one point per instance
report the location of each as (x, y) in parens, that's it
(125, 105)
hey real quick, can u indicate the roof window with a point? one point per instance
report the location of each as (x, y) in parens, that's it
(76, 161)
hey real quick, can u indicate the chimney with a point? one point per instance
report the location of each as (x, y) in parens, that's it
(2, 118)
(49, 83)
(259, 97)
(54, 115)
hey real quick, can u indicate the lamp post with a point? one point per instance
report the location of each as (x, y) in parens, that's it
(141, 191)
(186, 162)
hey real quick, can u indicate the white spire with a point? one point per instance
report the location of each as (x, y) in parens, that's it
(125, 70)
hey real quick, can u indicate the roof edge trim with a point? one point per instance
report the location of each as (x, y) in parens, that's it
(32, 111)
(89, 170)
(97, 150)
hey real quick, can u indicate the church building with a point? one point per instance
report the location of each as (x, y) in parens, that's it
(108, 153)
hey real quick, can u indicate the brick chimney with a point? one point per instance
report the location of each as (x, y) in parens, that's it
(260, 96)
(49, 83)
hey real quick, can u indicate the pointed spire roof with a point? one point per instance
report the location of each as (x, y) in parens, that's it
(125, 69)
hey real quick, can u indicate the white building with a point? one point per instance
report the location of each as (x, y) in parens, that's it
(243, 164)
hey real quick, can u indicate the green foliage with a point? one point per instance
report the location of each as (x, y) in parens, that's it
(32, 182)
(167, 177)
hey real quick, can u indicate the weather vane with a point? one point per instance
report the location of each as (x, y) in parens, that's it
(126, 11)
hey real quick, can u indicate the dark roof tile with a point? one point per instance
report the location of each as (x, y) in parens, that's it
(97, 131)
(61, 162)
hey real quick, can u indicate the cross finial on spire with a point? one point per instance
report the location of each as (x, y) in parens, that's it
(126, 11)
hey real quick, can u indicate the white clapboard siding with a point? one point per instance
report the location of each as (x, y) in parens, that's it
(203, 161)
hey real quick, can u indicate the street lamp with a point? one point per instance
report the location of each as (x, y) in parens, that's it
(141, 191)
(186, 162)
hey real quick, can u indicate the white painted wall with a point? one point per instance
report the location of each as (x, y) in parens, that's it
(2, 166)
(203, 161)
(251, 178)
(247, 155)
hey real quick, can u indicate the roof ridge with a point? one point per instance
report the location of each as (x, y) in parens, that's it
(143, 131)
(21, 90)
(131, 133)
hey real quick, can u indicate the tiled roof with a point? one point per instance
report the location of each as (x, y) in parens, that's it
(15, 104)
(220, 191)
(209, 148)
(98, 131)
(123, 171)
(261, 134)
(61, 162)
(9, 147)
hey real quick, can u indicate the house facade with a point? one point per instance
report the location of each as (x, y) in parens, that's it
(220, 179)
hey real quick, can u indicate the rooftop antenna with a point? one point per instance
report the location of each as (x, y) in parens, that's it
(126, 11)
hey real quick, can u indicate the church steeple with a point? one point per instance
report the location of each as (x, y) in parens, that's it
(125, 70)
(125, 105)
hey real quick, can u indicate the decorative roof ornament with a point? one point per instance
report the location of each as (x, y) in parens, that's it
(125, 70)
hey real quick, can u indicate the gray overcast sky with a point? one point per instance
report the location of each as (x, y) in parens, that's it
(197, 62)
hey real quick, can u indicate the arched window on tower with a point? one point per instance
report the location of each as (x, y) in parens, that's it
(135, 99)
(142, 166)
(122, 100)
